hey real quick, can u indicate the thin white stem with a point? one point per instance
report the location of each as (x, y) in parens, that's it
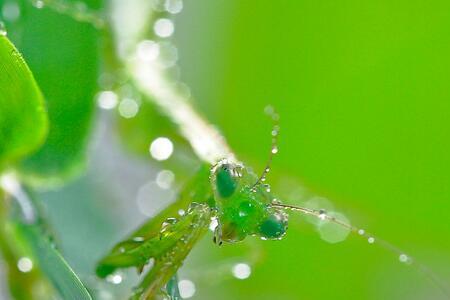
(205, 139)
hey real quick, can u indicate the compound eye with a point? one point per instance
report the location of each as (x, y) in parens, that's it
(274, 227)
(226, 183)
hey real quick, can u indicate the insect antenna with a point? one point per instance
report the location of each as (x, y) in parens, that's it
(269, 110)
(322, 215)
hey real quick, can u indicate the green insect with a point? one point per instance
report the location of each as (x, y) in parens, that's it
(242, 204)
(242, 207)
(229, 192)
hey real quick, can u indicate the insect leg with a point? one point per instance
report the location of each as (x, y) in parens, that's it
(167, 264)
(196, 190)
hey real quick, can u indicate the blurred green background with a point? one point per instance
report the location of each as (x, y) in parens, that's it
(363, 93)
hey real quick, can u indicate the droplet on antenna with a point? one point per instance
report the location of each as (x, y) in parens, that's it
(331, 232)
(404, 258)
(322, 214)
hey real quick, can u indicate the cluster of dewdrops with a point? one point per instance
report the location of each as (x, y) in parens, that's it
(160, 54)
(161, 148)
(186, 287)
(239, 270)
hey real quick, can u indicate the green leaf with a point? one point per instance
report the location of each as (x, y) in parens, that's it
(63, 55)
(53, 265)
(23, 120)
(49, 271)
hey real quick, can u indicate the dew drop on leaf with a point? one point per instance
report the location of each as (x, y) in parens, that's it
(332, 232)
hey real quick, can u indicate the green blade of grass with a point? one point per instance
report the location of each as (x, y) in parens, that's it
(52, 264)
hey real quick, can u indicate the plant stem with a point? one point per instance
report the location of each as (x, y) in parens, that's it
(151, 79)
(205, 139)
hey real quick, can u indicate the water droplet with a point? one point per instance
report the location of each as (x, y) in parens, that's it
(331, 232)
(147, 50)
(404, 258)
(107, 100)
(214, 223)
(138, 239)
(151, 199)
(181, 212)
(169, 221)
(317, 203)
(3, 31)
(361, 232)
(276, 201)
(165, 179)
(269, 110)
(274, 150)
(164, 27)
(128, 108)
(322, 214)
(25, 265)
(187, 288)
(371, 240)
(174, 6)
(114, 278)
(166, 227)
(161, 148)
(11, 11)
(241, 271)
(38, 3)
(193, 206)
(168, 54)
